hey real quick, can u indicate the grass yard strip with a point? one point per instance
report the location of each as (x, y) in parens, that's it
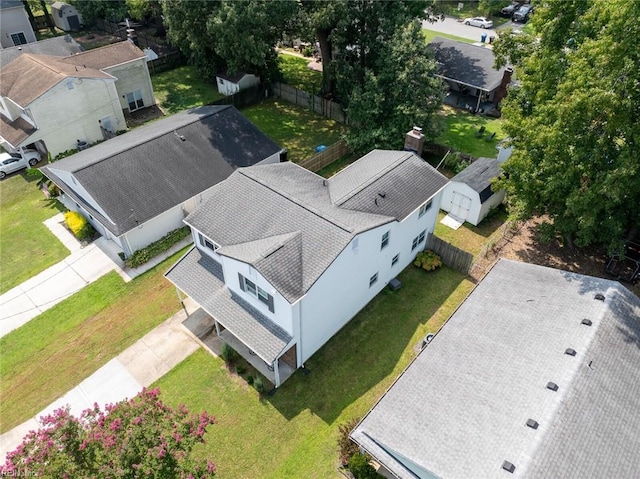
(297, 74)
(183, 88)
(60, 348)
(429, 35)
(293, 434)
(27, 247)
(295, 128)
(469, 238)
(460, 130)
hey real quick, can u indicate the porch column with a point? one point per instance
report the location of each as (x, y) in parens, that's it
(479, 98)
(276, 372)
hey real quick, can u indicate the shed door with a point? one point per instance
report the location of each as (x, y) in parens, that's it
(74, 23)
(460, 206)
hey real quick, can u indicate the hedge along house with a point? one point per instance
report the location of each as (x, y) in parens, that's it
(138, 186)
(469, 73)
(284, 258)
(469, 196)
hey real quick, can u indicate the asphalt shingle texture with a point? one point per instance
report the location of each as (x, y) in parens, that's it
(202, 277)
(459, 410)
(138, 175)
(466, 63)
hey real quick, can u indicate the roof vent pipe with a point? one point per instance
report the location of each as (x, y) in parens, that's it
(599, 297)
(570, 352)
(586, 322)
(532, 424)
(552, 386)
(507, 466)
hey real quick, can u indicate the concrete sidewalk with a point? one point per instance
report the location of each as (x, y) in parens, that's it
(150, 358)
(83, 266)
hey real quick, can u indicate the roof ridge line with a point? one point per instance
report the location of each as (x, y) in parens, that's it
(298, 202)
(374, 178)
(153, 138)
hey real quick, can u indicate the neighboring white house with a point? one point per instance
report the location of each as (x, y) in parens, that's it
(230, 84)
(536, 375)
(284, 258)
(61, 46)
(138, 186)
(15, 28)
(66, 17)
(469, 196)
(51, 103)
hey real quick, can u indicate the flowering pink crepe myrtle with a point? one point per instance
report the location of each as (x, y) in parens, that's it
(138, 437)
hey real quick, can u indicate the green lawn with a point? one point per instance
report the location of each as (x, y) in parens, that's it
(183, 88)
(295, 128)
(61, 347)
(297, 74)
(293, 433)
(469, 238)
(460, 132)
(430, 35)
(27, 247)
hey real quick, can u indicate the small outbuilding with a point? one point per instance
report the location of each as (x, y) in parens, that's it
(66, 17)
(468, 196)
(230, 84)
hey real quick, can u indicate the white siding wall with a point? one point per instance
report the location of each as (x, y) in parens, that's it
(282, 314)
(153, 229)
(132, 76)
(14, 20)
(248, 81)
(65, 115)
(343, 289)
(226, 87)
(491, 203)
(466, 190)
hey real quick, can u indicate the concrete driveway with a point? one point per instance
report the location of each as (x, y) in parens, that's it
(83, 266)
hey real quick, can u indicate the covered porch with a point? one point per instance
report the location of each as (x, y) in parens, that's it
(225, 317)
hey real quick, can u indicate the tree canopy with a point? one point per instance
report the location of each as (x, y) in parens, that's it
(400, 92)
(140, 437)
(573, 120)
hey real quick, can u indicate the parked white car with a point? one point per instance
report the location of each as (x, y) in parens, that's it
(479, 22)
(10, 162)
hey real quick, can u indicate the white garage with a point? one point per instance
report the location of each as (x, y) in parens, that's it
(468, 196)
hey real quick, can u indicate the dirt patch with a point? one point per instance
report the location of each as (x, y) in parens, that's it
(97, 39)
(522, 242)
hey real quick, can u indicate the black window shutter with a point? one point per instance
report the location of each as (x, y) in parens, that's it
(201, 239)
(241, 282)
(270, 304)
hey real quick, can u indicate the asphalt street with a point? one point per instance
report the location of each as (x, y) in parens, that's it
(453, 27)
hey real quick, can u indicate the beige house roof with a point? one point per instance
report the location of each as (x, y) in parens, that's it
(107, 56)
(15, 132)
(29, 76)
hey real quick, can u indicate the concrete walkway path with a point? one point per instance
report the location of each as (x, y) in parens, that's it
(83, 266)
(150, 358)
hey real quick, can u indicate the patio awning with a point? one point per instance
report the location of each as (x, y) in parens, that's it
(201, 278)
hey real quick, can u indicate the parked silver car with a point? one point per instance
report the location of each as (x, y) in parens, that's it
(10, 162)
(478, 22)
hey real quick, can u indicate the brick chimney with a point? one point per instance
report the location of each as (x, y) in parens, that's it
(414, 141)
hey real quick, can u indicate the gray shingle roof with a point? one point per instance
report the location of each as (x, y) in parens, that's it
(61, 46)
(394, 191)
(466, 63)
(459, 410)
(282, 220)
(202, 277)
(140, 174)
(478, 176)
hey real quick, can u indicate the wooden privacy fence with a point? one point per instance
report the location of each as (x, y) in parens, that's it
(323, 158)
(322, 106)
(450, 255)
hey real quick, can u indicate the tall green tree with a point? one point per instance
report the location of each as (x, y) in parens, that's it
(91, 10)
(574, 120)
(399, 93)
(234, 35)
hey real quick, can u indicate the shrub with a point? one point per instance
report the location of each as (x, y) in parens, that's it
(346, 447)
(78, 225)
(240, 369)
(228, 354)
(456, 163)
(260, 385)
(250, 379)
(307, 51)
(154, 249)
(360, 467)
(427, 260)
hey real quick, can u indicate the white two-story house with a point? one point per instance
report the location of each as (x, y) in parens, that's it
(284, 258)
(52, 103)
